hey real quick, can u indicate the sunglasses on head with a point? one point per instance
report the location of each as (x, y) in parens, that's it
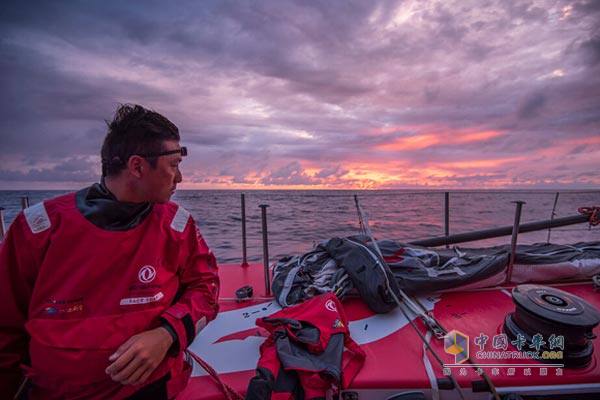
(183, 151)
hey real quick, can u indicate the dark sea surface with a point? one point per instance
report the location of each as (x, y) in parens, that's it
(299, 219)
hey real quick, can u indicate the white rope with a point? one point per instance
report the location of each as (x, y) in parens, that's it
(435, 390)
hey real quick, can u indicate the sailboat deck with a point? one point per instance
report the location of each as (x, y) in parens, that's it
(395, 354)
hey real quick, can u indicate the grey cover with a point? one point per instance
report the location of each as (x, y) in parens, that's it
(422, 270)
(334, 265)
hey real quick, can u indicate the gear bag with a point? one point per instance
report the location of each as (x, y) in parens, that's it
(304, 355)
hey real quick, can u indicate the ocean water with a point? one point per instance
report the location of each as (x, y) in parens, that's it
(298, 219)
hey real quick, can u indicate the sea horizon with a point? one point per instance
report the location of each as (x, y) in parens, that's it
(299, 219)
(462, 190)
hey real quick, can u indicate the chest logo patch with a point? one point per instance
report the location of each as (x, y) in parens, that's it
(147, 274)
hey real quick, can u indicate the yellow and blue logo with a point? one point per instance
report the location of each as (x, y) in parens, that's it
(457, 344)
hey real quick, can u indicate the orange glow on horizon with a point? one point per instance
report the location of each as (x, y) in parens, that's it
(494, 163)
(368, 171)
(424, 140)
(411, 143)
(373, 174)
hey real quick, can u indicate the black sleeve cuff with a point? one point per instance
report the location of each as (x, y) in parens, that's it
(174, 349)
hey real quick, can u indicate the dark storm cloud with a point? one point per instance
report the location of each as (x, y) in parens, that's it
(580, 149)
(42, 105)
(525, 10)
(532, 105)
(336, 171)
(73, 169)
(469, 180)
(587, 7)
(290, 174)
(592, 50)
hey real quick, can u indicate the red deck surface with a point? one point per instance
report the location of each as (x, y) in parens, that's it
(394, 351)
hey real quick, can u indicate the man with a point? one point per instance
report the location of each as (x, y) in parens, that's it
(102, 290)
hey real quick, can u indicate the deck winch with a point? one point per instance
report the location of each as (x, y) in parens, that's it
(564, 321)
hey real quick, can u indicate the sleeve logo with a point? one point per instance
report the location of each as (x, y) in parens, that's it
(330, 305)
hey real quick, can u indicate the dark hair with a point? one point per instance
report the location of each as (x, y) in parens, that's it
(134, 130)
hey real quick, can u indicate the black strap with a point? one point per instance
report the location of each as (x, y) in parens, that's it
(157, 390)
(174, 349)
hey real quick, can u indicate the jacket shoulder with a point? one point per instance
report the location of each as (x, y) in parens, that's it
(41, 216)
(176, 216)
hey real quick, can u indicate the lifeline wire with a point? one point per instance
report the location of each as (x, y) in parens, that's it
(365, 228)
(430, 322)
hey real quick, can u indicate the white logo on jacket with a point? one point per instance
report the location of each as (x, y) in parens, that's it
(147, 274)
(330, 305)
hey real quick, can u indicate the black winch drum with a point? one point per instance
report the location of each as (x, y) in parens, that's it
(546, 310)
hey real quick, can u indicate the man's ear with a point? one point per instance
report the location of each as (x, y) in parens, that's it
(135, 166)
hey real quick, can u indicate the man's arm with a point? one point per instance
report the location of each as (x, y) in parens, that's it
(137, 358)
(198, 303)
(16, 284)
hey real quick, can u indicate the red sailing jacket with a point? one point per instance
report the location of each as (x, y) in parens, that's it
(77, 292)
(304, 355)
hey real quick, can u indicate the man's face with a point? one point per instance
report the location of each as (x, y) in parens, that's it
(160, 182)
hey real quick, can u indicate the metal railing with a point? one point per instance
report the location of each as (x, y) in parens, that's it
(447, 239)
(24, 205)
(2, 226)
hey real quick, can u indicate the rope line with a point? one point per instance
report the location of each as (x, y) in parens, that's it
(431, 324)
(228, 391)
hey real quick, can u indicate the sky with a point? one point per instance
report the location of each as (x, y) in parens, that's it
(309, 95)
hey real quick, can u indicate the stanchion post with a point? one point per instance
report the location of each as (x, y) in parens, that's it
(513, 241)
(552, 216)
(447, 215)
(2, 226)
(265, 238)
(244, 248)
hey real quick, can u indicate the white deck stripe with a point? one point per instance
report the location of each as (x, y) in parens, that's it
(243, 354)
